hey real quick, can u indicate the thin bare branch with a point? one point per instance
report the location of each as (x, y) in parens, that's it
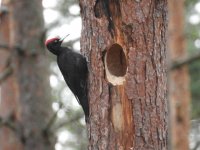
(52, 119)
(4, 47)
(184, 61)
(3, 10)
(5, 74)
(7, 123)
(196, 146)
(67, 122)
(15, 47)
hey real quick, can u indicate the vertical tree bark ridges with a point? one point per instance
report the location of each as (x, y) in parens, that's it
(132, 115)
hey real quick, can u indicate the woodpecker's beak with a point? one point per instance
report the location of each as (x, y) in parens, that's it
(62, 39)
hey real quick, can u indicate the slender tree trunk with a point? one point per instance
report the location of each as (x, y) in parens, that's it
(125, 43)
(30, 107)
(179, 92)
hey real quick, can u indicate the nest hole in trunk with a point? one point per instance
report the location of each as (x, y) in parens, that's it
(115, 62)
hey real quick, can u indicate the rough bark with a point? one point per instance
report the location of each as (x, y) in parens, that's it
(31, 85)
(179, 94)
(125, 44)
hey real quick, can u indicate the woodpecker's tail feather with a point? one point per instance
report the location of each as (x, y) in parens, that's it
(85, 106)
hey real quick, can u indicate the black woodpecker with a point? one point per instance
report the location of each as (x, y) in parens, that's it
(73, 67)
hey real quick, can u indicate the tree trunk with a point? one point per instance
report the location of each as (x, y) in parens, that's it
(30, 107)
(179, 92)
(9, 91)
(125, 43)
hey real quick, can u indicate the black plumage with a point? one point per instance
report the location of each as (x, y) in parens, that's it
(73, 67)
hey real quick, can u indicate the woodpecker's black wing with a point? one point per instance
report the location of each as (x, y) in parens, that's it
(74, 69)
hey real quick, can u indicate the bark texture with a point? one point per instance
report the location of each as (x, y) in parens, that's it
(125, 43)
(179, 92)
(30, 106)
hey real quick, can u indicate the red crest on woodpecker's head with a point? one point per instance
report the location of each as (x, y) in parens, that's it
(51, 40)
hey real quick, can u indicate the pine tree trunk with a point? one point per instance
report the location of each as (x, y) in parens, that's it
(30, 107)
(179, 92)
(125, 44)
(9, 91)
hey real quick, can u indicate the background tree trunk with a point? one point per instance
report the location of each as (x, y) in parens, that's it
(179, 92)
(25, 95)
(9, 91)
(125, 43)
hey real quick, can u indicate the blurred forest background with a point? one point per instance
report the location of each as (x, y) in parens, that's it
(192, 34)
(62, 17)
